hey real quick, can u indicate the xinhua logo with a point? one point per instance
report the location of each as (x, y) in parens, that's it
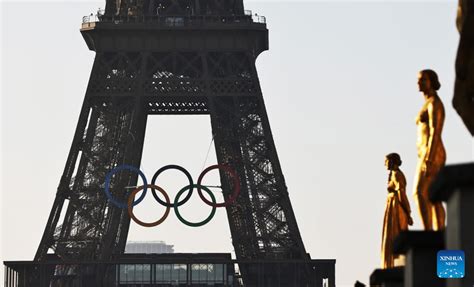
(450, 264)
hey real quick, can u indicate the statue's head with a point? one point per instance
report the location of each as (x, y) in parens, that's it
(427, 80)
(392, 161)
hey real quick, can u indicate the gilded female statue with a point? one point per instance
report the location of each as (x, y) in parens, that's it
(397, 211)
(431, 152)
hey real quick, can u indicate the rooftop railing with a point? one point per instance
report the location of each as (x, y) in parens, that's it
(171, 20)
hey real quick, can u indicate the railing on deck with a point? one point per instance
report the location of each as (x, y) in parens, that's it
(171, 20)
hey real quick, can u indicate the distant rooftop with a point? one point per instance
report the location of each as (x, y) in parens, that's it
(148, 247)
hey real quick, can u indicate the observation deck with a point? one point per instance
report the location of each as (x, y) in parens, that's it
(141, 32)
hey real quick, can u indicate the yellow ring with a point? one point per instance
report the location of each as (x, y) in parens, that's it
(130, 206)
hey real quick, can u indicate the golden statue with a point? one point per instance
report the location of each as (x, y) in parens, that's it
(431, 153)
(397, 211)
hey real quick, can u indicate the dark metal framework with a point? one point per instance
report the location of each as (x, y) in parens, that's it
(143, 66)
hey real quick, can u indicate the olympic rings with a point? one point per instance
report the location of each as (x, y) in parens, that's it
(192, 224)
(108, 178)
(228, 169)
(166, 167)
(131, 202)
(130, 206)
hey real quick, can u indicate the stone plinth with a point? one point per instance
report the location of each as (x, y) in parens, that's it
(455, 186)
(392, 277)
(420, 249)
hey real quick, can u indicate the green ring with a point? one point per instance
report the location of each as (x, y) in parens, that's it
(192, 224)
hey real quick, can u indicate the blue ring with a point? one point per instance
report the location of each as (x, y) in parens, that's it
(108, 178)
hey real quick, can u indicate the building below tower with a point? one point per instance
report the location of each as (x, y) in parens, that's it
(166, 269)
(148, 247)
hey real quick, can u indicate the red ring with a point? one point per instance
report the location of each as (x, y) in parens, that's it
(232, 172)
(130, 206)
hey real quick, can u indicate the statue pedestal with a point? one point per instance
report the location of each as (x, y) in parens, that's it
(420, 249)
(392, 277)
(455, 186)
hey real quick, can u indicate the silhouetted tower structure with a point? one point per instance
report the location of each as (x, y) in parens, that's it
(173, 57)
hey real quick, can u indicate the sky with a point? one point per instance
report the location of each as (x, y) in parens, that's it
(340, 88)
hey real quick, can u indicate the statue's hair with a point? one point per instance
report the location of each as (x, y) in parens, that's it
(395, 158)
(433, 78)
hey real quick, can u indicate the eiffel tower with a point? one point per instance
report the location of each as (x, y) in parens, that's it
(174, 57)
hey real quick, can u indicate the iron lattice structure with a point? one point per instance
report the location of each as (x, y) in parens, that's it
(172, 57)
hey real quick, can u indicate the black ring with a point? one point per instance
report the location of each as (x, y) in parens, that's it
(180, 168)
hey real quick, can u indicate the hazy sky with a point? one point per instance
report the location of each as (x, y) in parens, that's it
(339, 83)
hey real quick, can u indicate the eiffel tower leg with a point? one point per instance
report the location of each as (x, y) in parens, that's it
(239, 214)
(109, 142)
(47, 240)
(262, 221)
(110, 132)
